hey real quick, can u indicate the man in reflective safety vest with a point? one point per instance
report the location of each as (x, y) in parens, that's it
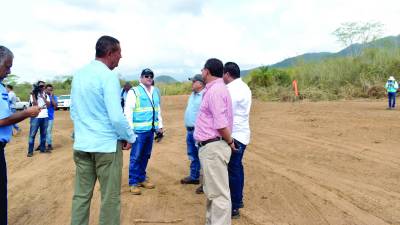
(142, 109)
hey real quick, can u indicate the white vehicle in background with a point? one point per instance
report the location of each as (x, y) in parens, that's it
(20, 105)
(64, 102)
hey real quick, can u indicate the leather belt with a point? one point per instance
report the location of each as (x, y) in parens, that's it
(203, 143)
(190, 128)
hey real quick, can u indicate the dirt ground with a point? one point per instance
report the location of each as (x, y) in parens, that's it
(308, 163)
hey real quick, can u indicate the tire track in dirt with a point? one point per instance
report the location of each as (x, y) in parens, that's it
(335, 147)
(324, 192)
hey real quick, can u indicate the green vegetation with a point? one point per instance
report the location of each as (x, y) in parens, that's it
(349, 77)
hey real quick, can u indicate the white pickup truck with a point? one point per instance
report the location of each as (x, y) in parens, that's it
(64, 102)
(20, 105)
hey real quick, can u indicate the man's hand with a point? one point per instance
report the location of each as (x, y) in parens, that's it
(126, 145)
(33, 111)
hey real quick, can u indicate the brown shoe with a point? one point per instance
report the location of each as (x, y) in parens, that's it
(135, 190)
(188, 180)
(199, 190)
(146, 184)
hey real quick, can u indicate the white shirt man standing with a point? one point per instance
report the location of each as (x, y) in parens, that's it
(241, 103)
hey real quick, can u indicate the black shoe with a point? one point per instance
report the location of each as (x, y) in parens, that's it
(49, 147)
(188, 180)
(199, 190)
(29, 155)
(38, 148)
(235, 214)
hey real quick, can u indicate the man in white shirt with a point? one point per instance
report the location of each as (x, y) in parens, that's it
(124, 93)
(39, 98)
(241, 103)
(143, 112)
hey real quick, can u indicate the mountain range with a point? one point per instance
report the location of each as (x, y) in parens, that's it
(389, 41)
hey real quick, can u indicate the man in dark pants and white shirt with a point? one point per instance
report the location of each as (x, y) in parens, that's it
(7, 119)
(213, 135)
(241, 103)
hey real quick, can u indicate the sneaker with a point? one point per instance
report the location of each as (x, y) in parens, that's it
(146, 184)
(188, 180)
(38, 148)
(135, 190)
(49, 147)
(29, 155)
(199, 190)
(235, 214)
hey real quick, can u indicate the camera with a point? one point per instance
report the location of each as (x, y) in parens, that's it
(35, 90)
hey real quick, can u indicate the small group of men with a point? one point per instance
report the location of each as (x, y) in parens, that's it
(391, 87)
(42, 95)
(7, 118)
(217, 125)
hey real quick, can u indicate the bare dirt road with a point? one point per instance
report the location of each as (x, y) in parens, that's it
(308, 163)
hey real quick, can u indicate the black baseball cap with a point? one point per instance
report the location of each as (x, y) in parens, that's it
(147, 71)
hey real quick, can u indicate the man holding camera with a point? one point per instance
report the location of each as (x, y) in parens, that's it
(142, 109)
(41, 99)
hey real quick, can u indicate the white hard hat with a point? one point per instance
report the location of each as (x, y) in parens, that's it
(391, 78)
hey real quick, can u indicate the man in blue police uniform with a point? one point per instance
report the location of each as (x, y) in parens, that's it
(142, 109)
(192, 109)
(7, 119)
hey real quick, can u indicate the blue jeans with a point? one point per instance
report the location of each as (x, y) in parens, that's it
(3, 186)
(15, 125)
(193, 154)
(392, 99)
(49, 139)
(236, 175)
(36, 124)
(140, 155)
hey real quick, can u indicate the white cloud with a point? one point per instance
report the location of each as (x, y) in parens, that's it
(175, 37)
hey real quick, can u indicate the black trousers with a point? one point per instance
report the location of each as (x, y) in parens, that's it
(3, 185)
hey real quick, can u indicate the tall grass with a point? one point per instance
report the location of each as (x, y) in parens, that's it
(335, 78)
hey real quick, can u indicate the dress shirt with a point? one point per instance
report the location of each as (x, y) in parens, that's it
(96, 110)
(215, 111)
(192, 108)
(5, 131)
(241, 103)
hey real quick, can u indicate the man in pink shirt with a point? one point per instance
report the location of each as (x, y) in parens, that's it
(213, 135)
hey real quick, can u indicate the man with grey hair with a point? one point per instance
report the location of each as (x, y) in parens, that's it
(7, 119)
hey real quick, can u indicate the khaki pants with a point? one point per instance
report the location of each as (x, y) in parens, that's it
(107, 167)
(214, 158)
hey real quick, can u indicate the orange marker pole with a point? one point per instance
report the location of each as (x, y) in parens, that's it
(294, 84)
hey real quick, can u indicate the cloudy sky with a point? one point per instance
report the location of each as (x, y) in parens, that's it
(174, 37)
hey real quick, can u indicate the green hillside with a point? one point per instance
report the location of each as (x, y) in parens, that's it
(164, 79)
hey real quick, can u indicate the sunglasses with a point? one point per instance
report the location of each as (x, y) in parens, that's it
(148, 76)
(41, 86)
